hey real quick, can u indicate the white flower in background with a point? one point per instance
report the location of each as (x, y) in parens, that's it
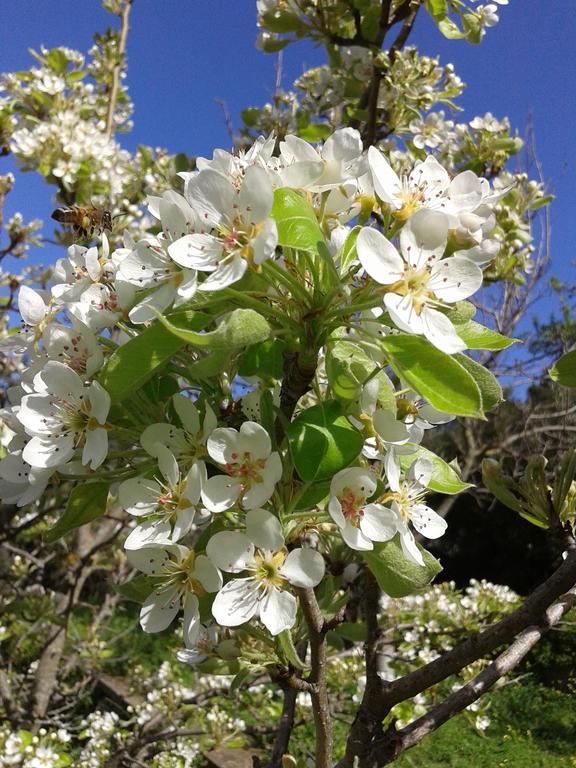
(188, 442)
(20, 483)
(407, 503)
(147, 266)
(166, 505)
(339, 159)
(181, 576)
(238, 233)
(83, 268)
(427, 186)
(482, 254)
(419, 281)
(252, 469)
(261, 552)
(360, 523)
(234, 166)
(488, 14)
(432, 131)
(62, 416)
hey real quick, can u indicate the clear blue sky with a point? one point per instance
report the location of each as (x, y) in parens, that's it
(185, 54)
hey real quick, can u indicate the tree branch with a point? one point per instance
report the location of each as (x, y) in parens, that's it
(397, 742)
(115, 87)
(377, 703)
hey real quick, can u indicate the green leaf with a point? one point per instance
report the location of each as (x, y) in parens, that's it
(132, 364)
(241, 328)
(264, 359)
(449, 29)
(445, 479)
(437, 8)
(395, 573)
(287, 650)
(347, 368)
(461, 312)
(488, 384)
(564, 370)
(500, 485)
(322, 441)
(239, 679)
(348, 253)
(477, 336)
(296, 221)
(87, 502)
(315, 132)
(438, 377)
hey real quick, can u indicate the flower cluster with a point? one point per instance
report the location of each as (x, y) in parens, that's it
(212, 494)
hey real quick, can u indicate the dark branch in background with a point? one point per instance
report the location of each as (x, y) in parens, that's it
(115, 86)
(366, 736)
(397, 742)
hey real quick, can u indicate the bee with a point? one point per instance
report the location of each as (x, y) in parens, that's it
(84, 220)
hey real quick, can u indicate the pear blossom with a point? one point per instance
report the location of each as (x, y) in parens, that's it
(75, 345)
(149, 265)
(360, 523)
(252, 468)
(188, 442)
(167, 505)
(21, 483)
(406, 501)
(419, 281)
(62, 416)
(238, 233)
(427, 186)
(341, 158)
(262, 553)
(181, 576)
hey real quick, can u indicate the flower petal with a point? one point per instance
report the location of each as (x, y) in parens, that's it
(303, 567)
(237, 602)
(230, 551)
(379, 257)
(278, 610)
(159, 610)
(264, 529)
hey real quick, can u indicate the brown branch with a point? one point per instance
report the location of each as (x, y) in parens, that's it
(397, 742)
(285, 727)
(320, 702)
(376, 705)
(115, 87)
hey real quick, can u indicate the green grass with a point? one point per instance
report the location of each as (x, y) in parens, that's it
(532, 727)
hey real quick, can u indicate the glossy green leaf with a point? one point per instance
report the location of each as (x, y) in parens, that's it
(240, 328)
(86, 502)
(287, 650)
(488, 384)
(348, 253)
(477, 336)
(137, 589)
(132, 364)
(322, 441)
(395, 573)
(564, 370)
(264, 359)
(296, 221)
(445, 479)
(438, 377)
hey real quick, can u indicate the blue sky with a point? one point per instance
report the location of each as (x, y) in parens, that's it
(186, 54)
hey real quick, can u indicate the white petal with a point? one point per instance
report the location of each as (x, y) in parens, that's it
(230, 272)
(403, 313)
(257, 494)
(264, 245)
(199, 251)
(386, 181)
(230, 551)
(31, 306)
(378, 523)
(221, 492)
(159, 610)
(95, 447)
(256, 196)
(207, 573)
(100, 402)
(278, 610)
(211, 195)
(148, 560)
(139, 495)
(222, 445)
(427, 521)
(409, 547)
(44, 453)
(455, 278)
(187, 413)
(465, 192)
(264, 529)
(150, 532)
(355, 539)
(61, 380)
(236, 603)
(259, 439)
(191, 622)
(379, 257)
(168, 465)
(390, 429)
(420, 472)
(303, 567)
(424, 237)
(439, 331)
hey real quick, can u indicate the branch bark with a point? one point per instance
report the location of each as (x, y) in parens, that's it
(366, 731)
(115, 87)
